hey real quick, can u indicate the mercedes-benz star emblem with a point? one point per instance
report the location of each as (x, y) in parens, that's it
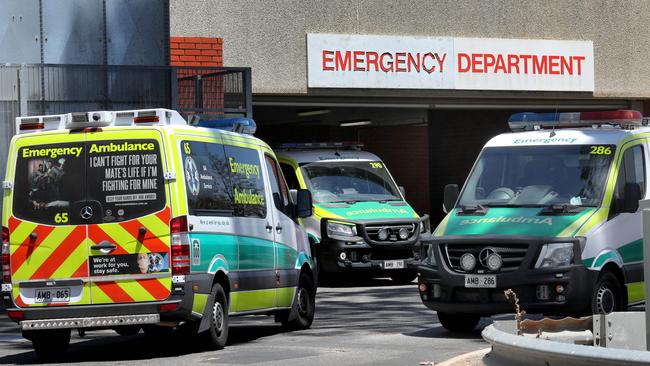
(86, 212)
(484, 255)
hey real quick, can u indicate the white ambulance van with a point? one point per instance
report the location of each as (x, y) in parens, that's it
(550, 211)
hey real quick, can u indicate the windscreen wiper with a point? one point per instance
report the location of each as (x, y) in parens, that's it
(561, 208)
(473, 209)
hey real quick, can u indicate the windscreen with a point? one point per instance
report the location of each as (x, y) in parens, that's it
(539, 176)
(345, 181)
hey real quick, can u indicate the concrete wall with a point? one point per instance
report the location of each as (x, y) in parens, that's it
(270, 36)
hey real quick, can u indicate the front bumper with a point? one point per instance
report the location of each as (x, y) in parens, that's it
(445, 290)
(361, 257)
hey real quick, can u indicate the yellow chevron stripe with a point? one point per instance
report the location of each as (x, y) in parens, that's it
(22, 232)
(99, 297)
(156, 226)
(135, 290)
(42, 252)
(72, 263)
(318, 211)
(119, 235)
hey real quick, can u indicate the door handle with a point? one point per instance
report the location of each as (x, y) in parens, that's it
(278, 228)
(104, 245)
(269, 228)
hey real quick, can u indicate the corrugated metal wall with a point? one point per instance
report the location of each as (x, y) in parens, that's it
(88, 32)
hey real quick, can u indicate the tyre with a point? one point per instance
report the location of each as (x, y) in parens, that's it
(404, 277)
(305, 305)
(217, 334)
(50, 344)
(608, 295)
(458, 322)
(127, 331)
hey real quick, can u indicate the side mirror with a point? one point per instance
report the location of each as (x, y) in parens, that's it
(450, 197)
(402, 190)
(293, 196)
(631, 197)
(303, 203)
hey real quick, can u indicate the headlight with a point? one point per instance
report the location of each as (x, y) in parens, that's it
(334, 229)
(555, 255)
(431, 258)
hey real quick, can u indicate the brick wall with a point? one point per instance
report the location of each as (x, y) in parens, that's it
(196, 51)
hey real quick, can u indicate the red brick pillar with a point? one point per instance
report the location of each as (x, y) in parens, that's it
(196, 51)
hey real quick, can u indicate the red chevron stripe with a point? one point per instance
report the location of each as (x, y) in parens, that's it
(82, 271)
(150, 240)
(115, 292)
(165, 215)
(28, 246)
(68, 245)
(155, 288)
(97, 235)
(20, 303)
(13, 223)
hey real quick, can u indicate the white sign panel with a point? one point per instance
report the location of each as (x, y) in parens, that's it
(395, 62)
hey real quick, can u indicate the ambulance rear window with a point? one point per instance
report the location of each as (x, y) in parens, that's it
(118, 179)
(48, 181)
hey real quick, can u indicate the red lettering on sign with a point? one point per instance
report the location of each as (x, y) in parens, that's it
(441, 61)
(328, 58)
(464, 67)
(432, 68)
(358, 61)
(342, 63)
(413, 61)
(579, 59)
(513, 63)
(386, 66)
(400, 60)
(476, 62)
(371, 60)
(553, 65)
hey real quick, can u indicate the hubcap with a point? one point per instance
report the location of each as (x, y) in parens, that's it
(605, 300)
(303, 301)
(217, 314)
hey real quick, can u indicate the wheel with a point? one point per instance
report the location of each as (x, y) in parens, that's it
(404, 277)
(305, 305)
(127, 331)
(607, 296)
(50, 344)
(458, 322)
(217, 335)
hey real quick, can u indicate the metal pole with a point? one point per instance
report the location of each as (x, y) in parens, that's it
(645, 207)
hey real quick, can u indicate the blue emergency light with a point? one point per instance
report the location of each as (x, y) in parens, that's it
(531, 121)
(237, 124)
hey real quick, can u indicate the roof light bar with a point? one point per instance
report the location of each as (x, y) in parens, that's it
(322, 145)
(239, 125)
(531, 121)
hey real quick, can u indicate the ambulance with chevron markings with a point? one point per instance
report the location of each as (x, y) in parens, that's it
(135, 220)
(549, 211)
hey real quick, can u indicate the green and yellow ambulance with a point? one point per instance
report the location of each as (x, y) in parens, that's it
(134, 220)
(549, 211)
(361, 221)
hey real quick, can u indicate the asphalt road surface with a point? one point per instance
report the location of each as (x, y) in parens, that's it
(378, 324)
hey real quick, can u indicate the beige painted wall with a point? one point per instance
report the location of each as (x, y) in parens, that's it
(270, 36)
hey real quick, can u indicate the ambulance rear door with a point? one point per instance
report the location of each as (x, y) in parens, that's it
(128, 223)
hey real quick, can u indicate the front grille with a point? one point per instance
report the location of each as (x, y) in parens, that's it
(393, 229)
(511, 254)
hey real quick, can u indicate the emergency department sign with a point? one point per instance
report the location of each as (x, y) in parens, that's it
(396, 62)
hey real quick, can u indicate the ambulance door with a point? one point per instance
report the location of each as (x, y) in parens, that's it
(287, 238)
(252, 223)
(47, 238)
(127, 209)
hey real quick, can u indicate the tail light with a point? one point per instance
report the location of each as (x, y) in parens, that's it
(6, 268)
(180, 246)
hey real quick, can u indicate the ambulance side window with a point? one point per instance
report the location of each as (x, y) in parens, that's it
(290, 175)
(207, 179)
(632, 170)
(278, 186)
(247, 191)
